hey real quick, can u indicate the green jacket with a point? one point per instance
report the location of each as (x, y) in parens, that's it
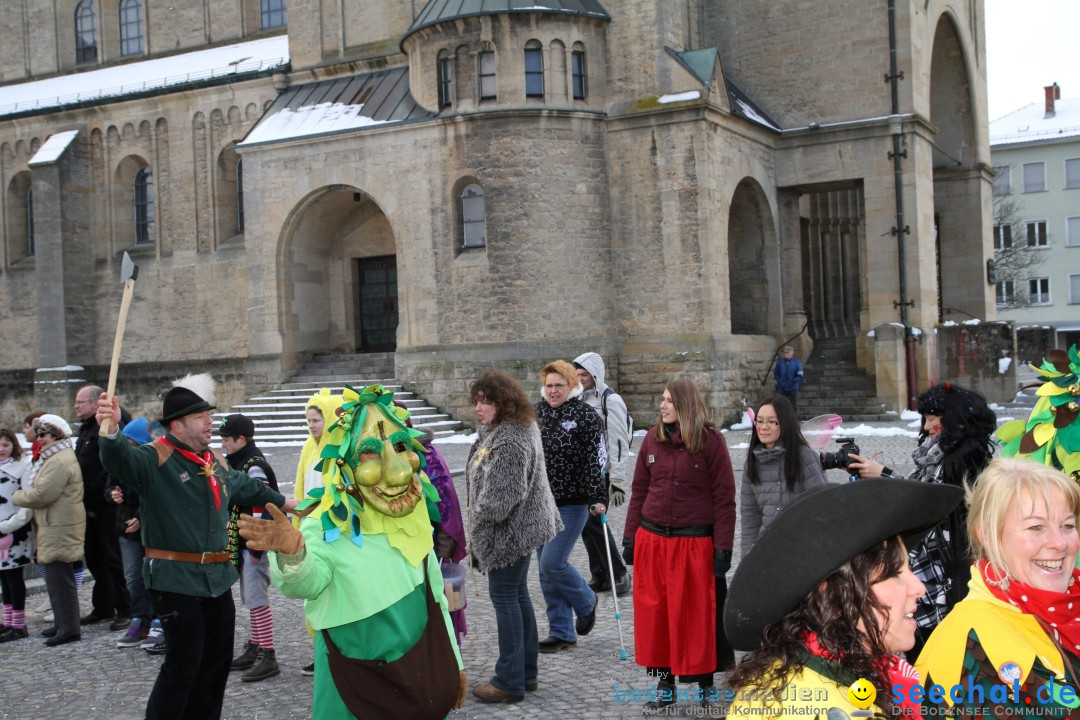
(178, 512)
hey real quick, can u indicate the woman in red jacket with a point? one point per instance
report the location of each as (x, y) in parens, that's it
(680, 528)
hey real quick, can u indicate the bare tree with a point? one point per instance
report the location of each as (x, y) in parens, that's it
(1015, 259)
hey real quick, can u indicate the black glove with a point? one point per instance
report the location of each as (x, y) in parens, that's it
(721, 562)
(628, 551)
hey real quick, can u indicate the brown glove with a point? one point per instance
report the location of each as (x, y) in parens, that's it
(463, 690)
(277, 534)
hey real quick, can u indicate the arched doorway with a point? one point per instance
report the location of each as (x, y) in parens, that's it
(752, 260)
(960, 182)
(338, 275)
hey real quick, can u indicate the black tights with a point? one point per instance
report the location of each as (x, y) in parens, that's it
(14, 588)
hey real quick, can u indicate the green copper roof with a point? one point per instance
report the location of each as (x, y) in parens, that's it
(437, 11)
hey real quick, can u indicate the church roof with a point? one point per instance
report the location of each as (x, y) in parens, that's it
(340, 105)
(227, 63)
(437, 11)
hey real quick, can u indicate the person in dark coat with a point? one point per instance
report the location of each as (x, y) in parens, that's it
(110, 598)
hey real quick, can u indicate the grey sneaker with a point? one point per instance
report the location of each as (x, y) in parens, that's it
(134, 636)
(155, 639)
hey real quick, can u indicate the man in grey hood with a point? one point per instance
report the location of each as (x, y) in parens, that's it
(609, 406)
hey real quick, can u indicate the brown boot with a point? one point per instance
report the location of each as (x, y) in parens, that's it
(666, 694)
(488, 693)
(246, 659)
(265, 666)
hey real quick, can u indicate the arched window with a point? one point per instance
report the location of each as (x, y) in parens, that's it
(273, 13)
(85, 32)
(30, 222)
(144, 206)
(472, 216)
(534, 69)
(131, 27)
(445, 68)
(578, 75)
(486, 74)
(239, 196)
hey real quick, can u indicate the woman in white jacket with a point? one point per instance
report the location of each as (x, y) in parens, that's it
(16, 537)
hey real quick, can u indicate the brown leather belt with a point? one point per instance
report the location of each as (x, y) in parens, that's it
(205, 558)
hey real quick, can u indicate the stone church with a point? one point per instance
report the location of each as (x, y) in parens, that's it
(679, 185)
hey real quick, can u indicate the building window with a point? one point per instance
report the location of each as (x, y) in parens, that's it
(1002, 180)
(1074, 289)
(30, 223)
(144, 206)
(1072, 173)
(131, 27)
(1039, 291)
(85, 32)
(534, 70)
(1072, 231)
(445, 65)
(273, 13)
(1002, 237)
(239, 196)
(487, 75)
(1004, 291)
(577, 73)
(472, 216)
(1034, 177)
(1036, 234)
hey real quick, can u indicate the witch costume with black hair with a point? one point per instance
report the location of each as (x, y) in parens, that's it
(956, 443)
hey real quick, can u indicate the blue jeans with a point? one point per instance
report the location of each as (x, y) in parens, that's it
(132, 552)
(564, 591)
(508, 588)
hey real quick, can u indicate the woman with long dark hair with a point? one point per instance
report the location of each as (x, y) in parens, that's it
(779, 467)
(679, 533)
(16, 537)
(826, 597)
(955, 444)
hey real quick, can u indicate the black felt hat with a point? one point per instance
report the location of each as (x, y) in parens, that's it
(816, 534)
(180, 401)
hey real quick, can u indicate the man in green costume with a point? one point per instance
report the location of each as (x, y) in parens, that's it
(363, 563)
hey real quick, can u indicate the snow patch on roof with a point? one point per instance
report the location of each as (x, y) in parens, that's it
(751, 114)
(1030, 124)
(131, 78)
(679, 97)
(310, 120)
(53, 148)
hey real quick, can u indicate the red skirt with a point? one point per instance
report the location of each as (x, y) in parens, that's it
(674, 603)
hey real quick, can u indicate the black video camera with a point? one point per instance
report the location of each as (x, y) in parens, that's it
(841, 459)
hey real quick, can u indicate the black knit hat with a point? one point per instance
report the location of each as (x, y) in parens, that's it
(237, 425)
(180, 401)
(821, 530)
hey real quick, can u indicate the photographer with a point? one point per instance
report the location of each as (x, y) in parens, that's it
(955, 444)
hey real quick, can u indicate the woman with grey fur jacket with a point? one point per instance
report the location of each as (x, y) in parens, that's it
(513, 514)
(780, 466)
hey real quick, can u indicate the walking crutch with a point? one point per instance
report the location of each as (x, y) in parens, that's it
(614, 594)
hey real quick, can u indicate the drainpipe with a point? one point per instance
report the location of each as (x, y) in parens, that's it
(894, 77)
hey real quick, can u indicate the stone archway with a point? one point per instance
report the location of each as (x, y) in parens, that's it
(961, 187)
(326, 240)
(752, 262)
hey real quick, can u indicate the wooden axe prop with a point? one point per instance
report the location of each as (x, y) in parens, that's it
(128, 272)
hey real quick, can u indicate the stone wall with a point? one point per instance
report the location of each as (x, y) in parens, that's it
(1033, 342)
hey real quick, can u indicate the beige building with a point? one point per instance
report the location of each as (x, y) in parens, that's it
(679, 185)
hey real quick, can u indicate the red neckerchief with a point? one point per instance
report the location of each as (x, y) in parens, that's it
(898, 669)
(35, 450)
(1059, 612)
(207, 462)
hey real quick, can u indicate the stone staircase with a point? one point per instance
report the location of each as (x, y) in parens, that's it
(279, 414)
(835, 384)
